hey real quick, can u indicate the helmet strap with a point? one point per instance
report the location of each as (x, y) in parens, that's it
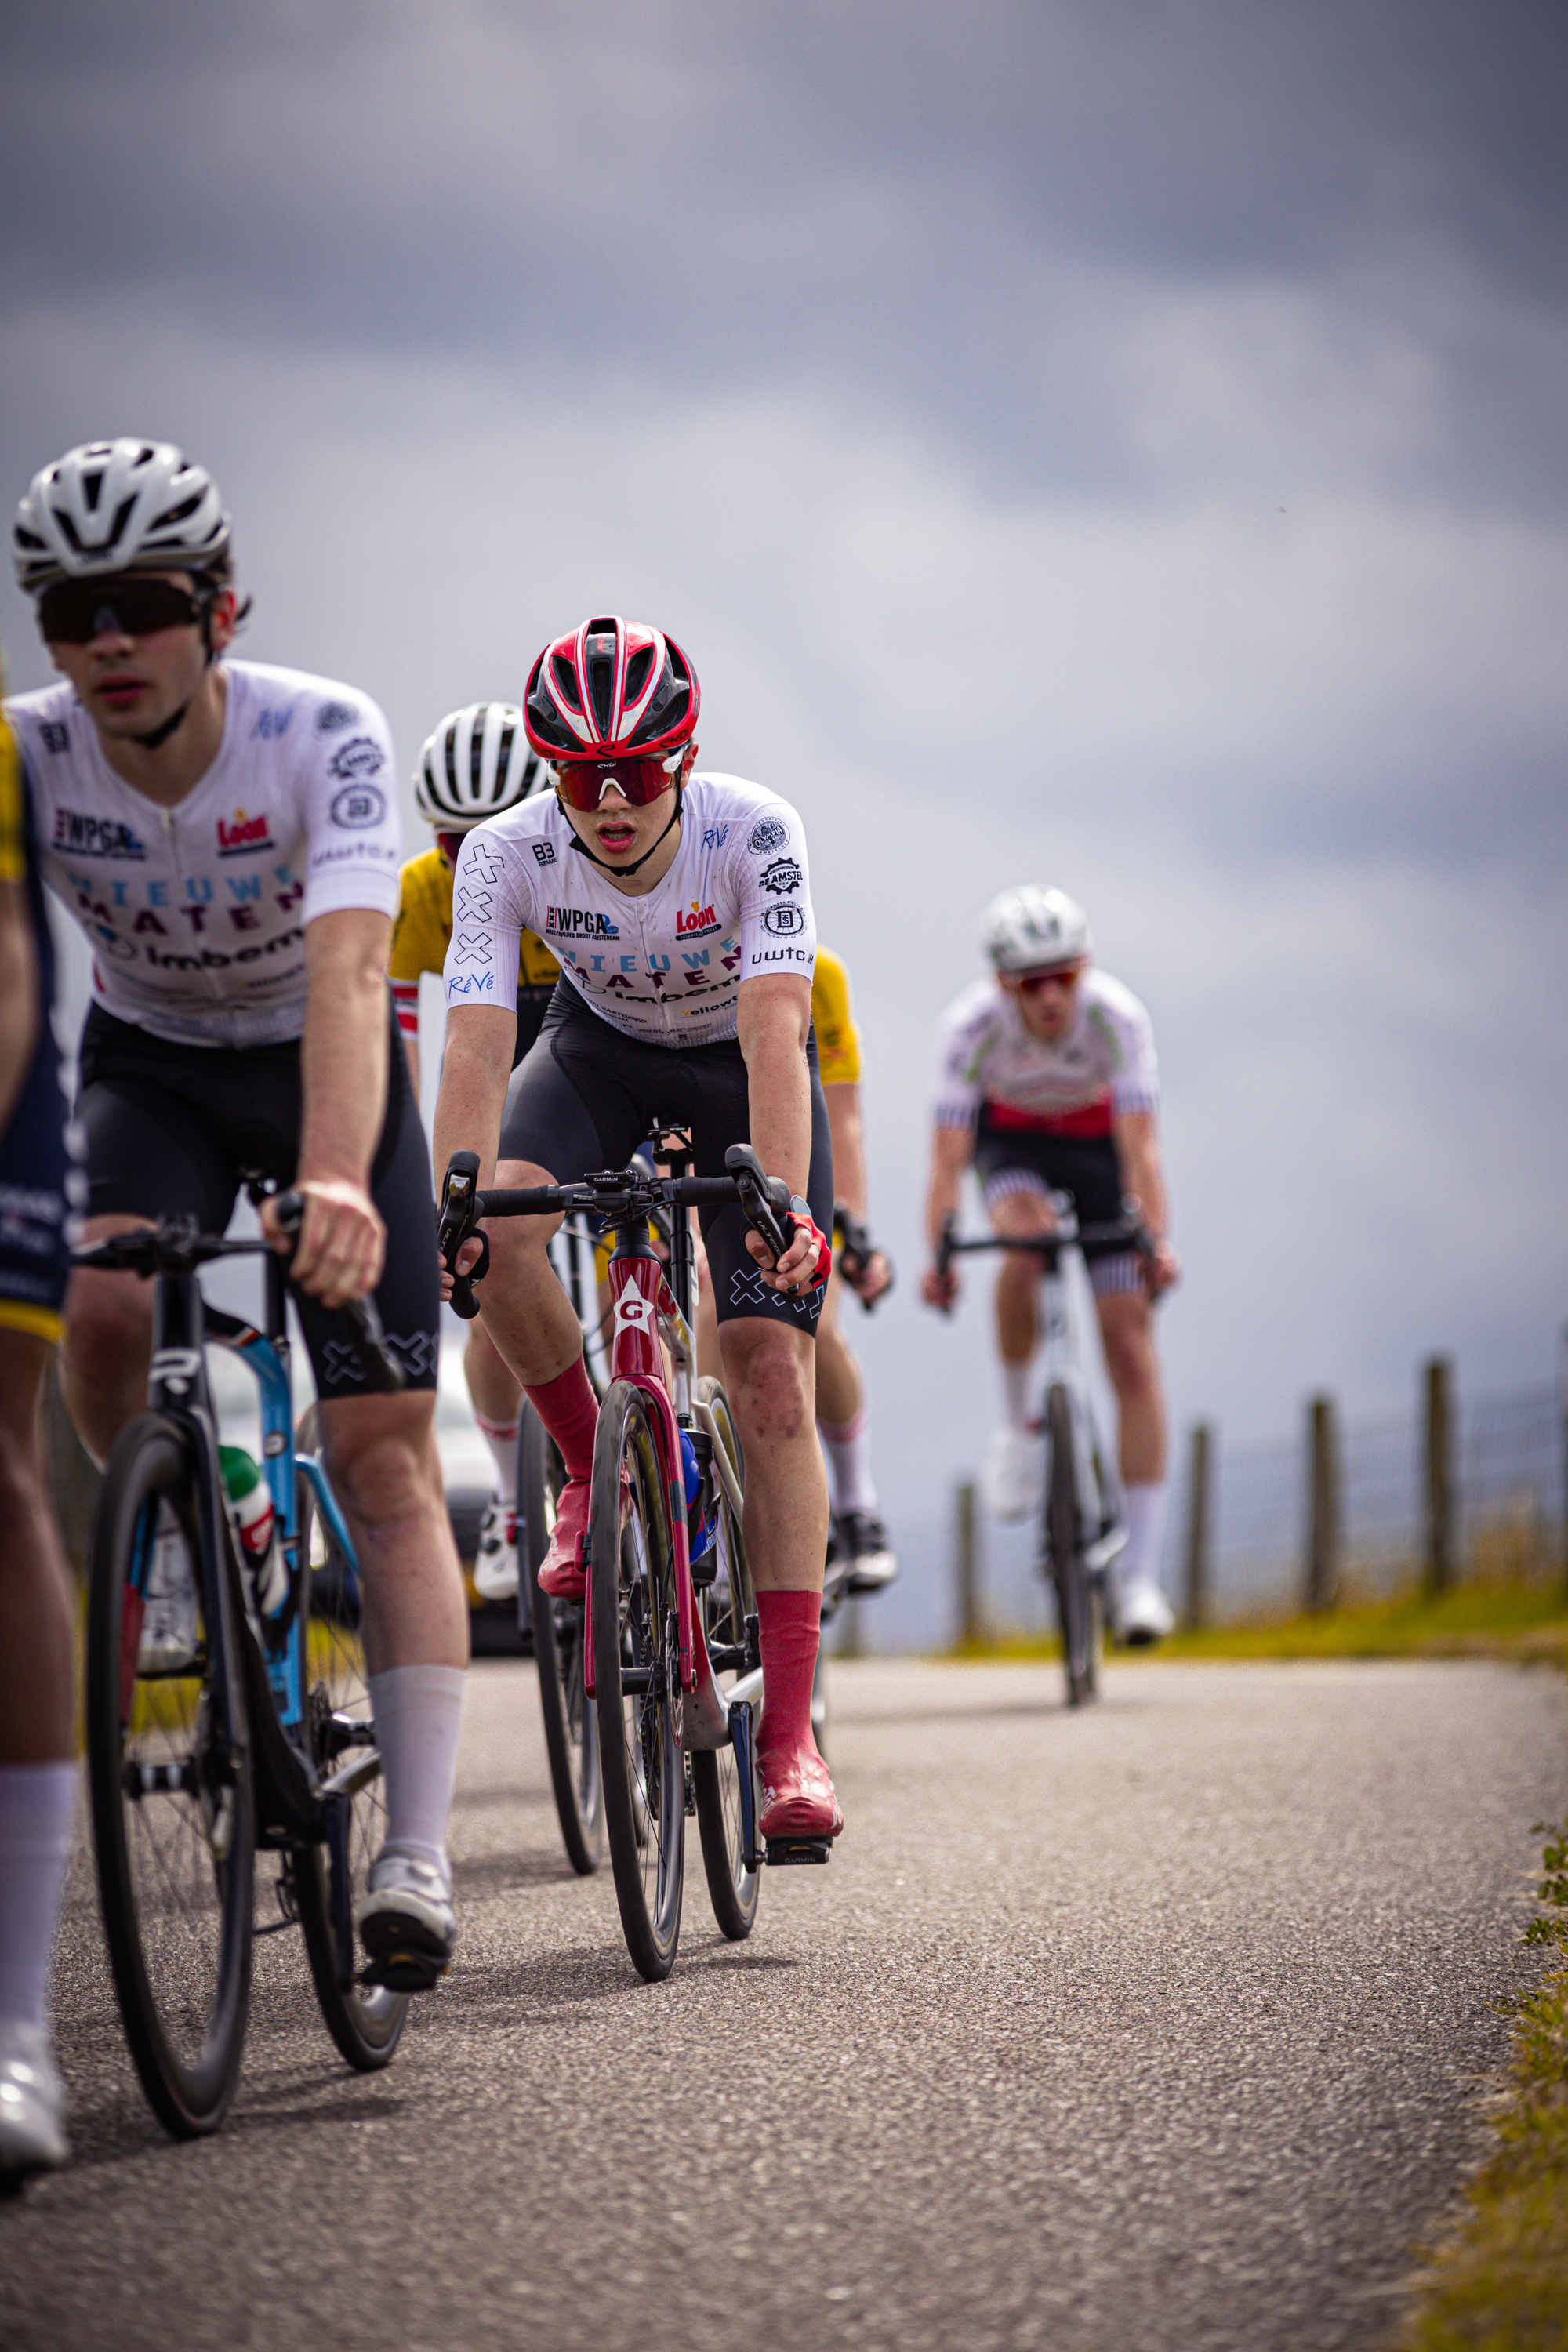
(203, 592)
(150, 742)
(583, 849)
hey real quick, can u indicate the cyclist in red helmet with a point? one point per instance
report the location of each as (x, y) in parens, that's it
(680, 907)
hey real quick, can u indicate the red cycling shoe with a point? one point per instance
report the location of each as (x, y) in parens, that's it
(798, 1799)
(562, 1575)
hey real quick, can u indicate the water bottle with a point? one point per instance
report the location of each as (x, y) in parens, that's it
(256, 1522)
(700, 1532)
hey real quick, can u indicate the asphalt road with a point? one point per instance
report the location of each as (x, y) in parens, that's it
(1166, 2025)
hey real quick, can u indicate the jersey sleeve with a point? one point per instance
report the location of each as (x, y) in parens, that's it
(838, 1039)
(1126, 1035)
(352, 830)
(488, 922)
(968, 1034)
(12, 850)
(772, 879)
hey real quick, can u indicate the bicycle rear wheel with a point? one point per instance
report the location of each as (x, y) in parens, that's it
(636, 1667)
(174, 1804)
(570, 1738)
(1065, 1547)
(364, 2021)
(726, 1605)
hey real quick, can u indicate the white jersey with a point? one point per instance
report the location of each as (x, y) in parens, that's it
(196, 914)
(667, 966)
(1103, 1066)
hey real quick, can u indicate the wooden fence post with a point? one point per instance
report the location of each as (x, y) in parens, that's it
(1563, 1393)
(1198, 1524)
(967, 1566)
(1438, 1552)
(1323, 1521)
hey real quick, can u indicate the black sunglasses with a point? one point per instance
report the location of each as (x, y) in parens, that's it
(74, 612)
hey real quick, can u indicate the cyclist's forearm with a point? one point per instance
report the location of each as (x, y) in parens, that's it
(474, 1073)
(773, 1019)
(953, 1150)
(342, 1051)
(1138, 1153)
(18, 994)
(848, 1150)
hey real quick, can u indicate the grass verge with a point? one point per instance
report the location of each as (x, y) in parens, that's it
(1527, 1622)
(1501, 2283)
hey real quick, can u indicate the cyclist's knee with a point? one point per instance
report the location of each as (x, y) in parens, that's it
(770, 1376)
(518, 1244)
(109, 1327)
(1020, 1216)
(1128, 1338)
(381, 1455)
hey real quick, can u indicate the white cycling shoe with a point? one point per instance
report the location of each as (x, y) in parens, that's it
(495, 1562)
(32, 2104)
(406, 1924)
(1144, 1613)
(1014, 1480)
(168, 1639)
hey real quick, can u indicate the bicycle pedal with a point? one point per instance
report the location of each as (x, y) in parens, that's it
(788, 1849)
(401, 1970)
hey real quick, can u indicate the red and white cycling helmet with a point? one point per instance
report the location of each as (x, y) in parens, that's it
(1029, 929)
(610, 689)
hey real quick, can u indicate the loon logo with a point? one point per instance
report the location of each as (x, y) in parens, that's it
(694, 919)
(578, 923)
(238, 834)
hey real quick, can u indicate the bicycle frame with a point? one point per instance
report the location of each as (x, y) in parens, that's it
(1062, 1352)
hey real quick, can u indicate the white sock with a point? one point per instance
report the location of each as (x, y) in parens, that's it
(1016, 1390)
(848, 1450)
(38, 1815)
(1145, 1531)
(501, 1439)
(419, 1713)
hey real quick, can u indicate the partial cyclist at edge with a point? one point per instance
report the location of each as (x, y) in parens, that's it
(222, 833)
(1047, 1083)
(843, 1416)
(39, 1189)
(475, 763)
(679, 906)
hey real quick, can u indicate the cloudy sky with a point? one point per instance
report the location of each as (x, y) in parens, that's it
(1119, 445)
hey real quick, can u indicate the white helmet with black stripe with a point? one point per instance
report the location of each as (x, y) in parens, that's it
(475, 763)
(1029, 929)
(119, 506)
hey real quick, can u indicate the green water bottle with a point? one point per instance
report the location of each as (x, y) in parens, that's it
(250, 1500)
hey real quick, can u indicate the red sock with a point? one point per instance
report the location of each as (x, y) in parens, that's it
(570, 1412)
(789, 1631)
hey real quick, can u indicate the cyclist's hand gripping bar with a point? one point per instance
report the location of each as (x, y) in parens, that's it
(360, 1317)
(857, 1250)
(457, 1219)
(773, 1210)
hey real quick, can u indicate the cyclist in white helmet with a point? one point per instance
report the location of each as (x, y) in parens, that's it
(1049, 1082)
(223, 833)
(475, 763)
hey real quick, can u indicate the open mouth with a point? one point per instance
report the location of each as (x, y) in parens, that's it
(616, 839)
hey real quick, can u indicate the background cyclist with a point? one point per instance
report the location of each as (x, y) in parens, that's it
(681, 909)
(475, 764)
(38, 1773)
(1048, 1082)
(222, 833)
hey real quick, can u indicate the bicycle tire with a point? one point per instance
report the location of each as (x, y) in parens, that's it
(726, 1603)
(570, 1741)
(633, 1596)
(365, 2021)
(176, 1863)
(1064, 1541)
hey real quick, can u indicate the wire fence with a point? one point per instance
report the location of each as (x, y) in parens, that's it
(1506, 1509)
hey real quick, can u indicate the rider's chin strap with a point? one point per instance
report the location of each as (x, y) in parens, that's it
(583, 849)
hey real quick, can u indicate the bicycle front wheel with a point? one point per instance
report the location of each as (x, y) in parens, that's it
(726, 1605)
(558, 1634)
(364, 2021)
(174, 1804)
(637, 1668)
(1064, 1543)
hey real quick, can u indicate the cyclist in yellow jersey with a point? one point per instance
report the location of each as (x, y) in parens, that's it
(475, 764)
(842, 1421)
(38, 1712)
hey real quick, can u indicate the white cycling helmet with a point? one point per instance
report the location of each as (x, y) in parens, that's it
(476, 762)
(118, 506)
(1028, 929)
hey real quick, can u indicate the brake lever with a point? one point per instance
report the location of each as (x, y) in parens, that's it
(759, 1197)
(455, 1226)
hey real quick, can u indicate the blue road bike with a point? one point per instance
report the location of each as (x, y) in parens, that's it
(261, 1739)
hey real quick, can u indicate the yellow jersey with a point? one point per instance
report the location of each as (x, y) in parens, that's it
(838, 1039)
(423, 932)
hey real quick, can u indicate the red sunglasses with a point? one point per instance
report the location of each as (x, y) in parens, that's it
(1064, 976)
(581, 782)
